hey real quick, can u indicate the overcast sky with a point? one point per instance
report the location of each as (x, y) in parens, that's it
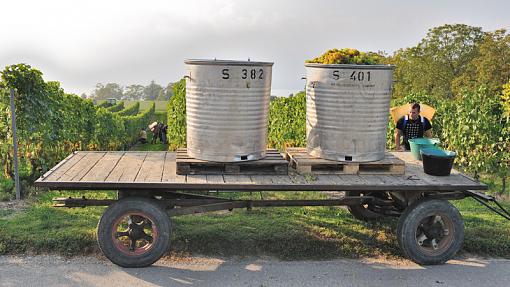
(81, 43)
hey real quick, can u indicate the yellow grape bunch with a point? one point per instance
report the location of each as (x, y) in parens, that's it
(348, 56)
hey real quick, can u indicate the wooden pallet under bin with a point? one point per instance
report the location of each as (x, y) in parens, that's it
(305, 163)
(273, 164)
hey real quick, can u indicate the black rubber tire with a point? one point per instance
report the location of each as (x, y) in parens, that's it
(359, 211)
(408, 224)
(119, 209)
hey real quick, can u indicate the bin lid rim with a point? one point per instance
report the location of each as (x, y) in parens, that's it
(350, 66)
(225, 62)
(437, 152)
(424, 140)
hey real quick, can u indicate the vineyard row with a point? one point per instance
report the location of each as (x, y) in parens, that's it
(52, 124)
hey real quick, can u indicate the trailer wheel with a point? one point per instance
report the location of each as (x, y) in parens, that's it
(361, 211)
(134, 232)
(430, 231)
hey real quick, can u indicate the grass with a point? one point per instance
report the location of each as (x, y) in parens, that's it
(287, 233)
(150, 147)
(160, 105)
(43, 228)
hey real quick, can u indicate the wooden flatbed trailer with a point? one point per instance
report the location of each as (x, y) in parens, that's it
(134, 231)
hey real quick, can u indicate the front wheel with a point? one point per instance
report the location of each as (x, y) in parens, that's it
(134, 232)
(362, 211)
(430, 231)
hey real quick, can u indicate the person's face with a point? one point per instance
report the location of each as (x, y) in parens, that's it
(414, 113)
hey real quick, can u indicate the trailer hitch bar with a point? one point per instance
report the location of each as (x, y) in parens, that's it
(485, 199)
(201, 205)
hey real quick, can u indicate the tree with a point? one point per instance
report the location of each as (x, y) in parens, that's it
(166, 93)
(134, 92)
(151, 91)
(110, 90)
(491, 67)
(442, 56)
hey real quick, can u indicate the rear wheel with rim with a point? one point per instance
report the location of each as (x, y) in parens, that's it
(134, 232)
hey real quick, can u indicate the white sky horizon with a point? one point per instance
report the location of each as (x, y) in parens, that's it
(84, 43)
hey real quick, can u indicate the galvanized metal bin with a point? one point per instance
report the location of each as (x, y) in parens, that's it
(347, 109)
(227, 106)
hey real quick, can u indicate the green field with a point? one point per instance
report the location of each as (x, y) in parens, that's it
(161, 108)
(160, 105)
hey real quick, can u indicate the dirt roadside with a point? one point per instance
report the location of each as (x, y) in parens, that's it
(50, 270)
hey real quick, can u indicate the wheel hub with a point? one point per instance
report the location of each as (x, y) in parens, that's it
(436, 231)
(433, 234)
(135, 232)
(138, 234)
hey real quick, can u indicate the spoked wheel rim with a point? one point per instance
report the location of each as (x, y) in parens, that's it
(365, 205)
(376, 194)
(366, 211)
(435, 234)
(134, 233)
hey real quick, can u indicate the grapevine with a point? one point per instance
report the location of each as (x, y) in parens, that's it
(52, 124)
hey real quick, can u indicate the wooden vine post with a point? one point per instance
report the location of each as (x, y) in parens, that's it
(15, 144)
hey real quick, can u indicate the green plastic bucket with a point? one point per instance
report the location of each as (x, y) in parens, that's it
(418, 144)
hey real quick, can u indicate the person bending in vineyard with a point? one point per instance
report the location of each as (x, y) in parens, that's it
(412, 126)
(164, 129)
(154, 128)
(143, 136)
(160, 132)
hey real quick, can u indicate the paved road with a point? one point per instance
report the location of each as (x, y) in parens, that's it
(89, 271)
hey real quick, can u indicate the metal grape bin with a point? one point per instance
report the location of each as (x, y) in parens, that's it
(347, 109)
(227, 106)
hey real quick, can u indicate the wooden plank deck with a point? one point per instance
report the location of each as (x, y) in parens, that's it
(157, 170)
